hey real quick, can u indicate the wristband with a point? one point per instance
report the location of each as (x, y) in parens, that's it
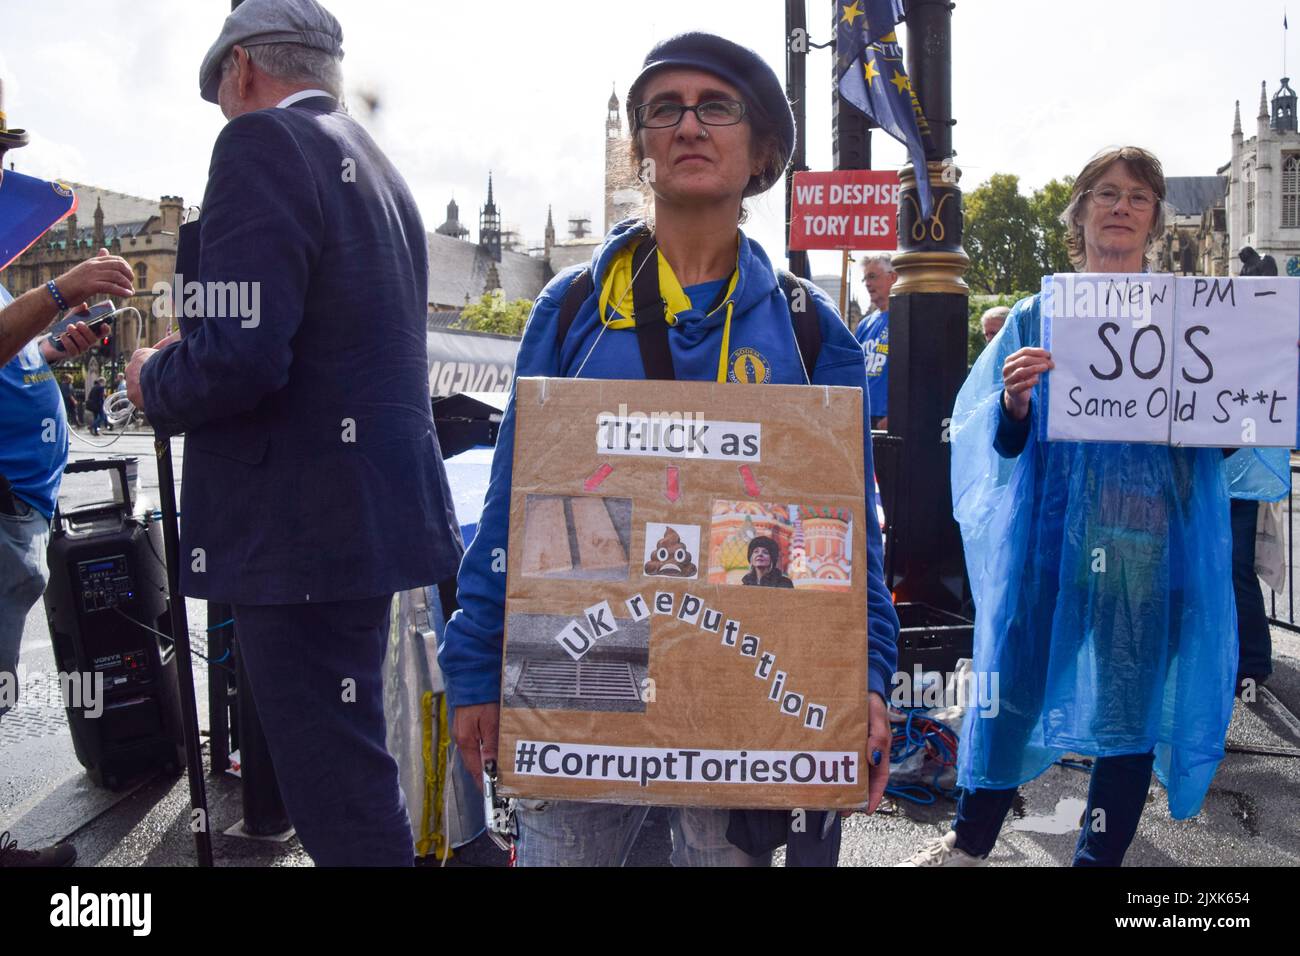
(58, 299)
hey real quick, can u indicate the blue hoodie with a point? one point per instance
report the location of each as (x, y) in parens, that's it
(761, 335)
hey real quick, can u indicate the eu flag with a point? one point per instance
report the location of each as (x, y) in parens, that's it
(29, 207)
(873, 79)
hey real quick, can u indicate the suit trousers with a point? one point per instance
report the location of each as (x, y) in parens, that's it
(315, 671)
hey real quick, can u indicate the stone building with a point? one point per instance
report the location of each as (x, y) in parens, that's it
(1263, 196)
(141, 231)
(461, 270)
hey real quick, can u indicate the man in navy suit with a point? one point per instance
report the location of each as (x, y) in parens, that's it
(313, 486)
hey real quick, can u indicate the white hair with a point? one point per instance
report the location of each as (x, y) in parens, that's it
(883, 258)
(293, 61)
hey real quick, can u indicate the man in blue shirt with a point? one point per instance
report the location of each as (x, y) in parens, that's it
(873, 335)
(33, 451)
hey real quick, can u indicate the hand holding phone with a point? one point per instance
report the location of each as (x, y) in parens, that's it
(96, 318)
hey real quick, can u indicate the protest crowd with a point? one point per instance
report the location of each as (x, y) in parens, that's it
(1136, 669)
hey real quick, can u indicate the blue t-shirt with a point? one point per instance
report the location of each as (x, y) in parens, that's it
(873, 335)
(33, 426)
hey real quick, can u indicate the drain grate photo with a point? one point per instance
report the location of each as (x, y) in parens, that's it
(584, 680)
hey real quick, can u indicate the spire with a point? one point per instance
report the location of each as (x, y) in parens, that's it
(489, 225)
(99, 224)
(1236, 120)
(1263, 100)
(549, 235)
(613, 117)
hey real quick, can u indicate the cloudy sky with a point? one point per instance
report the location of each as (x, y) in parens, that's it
(109, 90)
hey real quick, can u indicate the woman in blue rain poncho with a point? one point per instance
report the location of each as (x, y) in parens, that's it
(1101, 572)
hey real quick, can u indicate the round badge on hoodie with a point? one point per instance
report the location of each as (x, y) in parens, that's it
(747, 366)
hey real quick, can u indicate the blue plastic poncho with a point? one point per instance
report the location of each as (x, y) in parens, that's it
(1102, 578)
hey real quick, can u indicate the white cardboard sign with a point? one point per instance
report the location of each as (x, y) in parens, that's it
(1235, 381)
(1110, 338)
(1192, 360)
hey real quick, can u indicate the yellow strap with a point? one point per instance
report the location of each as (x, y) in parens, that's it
(427, 834)
(616, 290)
(433, 828)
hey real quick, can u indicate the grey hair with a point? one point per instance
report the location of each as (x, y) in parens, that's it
(882, 257)
(293, 61)
(1146, 168)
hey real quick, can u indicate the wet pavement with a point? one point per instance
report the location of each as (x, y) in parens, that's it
(1251, 816)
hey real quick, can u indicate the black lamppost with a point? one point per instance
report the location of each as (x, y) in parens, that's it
(927, 333)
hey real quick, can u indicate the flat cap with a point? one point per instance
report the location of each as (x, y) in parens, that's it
(258, 22)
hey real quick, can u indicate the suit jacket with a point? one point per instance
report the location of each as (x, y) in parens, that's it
(312, 470)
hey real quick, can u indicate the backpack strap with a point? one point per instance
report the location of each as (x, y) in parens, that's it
(648, 312)
(803, 316)
(580, 289)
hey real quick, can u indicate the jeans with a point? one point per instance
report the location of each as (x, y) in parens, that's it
(315, 671)
(1256, 644)
(569, 833)
(1117, 794)
(23, 576)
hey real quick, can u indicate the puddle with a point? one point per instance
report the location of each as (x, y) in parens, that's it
(1065, 819)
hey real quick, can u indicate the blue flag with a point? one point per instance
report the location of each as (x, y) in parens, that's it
(873, 79)
(29, 207)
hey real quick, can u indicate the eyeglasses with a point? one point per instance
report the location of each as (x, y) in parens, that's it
(1108, 196)
(711, 113)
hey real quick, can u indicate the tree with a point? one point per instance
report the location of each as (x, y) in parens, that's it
(1046, 205)
(1001, 237)
(492, 313)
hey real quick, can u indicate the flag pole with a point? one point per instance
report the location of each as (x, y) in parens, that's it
(844, 287)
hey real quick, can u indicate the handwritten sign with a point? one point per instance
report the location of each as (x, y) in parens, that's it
(1235, 383)
(847, 209)
(1199, 361)
(1110, 337)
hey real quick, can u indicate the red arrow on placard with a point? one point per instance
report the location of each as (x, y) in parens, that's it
(674, 490)
(751, 486)
(597, 476)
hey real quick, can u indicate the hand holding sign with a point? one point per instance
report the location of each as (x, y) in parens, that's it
(1020, 373)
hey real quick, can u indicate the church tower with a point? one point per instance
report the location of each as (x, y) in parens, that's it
(624, 195)
(549, 235)
(1284, 102)
(453, 226)
(489, 226)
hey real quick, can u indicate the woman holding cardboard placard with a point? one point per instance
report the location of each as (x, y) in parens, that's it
(1101, 573)
(711, 126)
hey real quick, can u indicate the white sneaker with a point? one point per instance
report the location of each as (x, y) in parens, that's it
(942, 852)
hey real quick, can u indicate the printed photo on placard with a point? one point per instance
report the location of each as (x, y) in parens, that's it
(672, 550)
(577, 538)
(801, 547)
(590, 662)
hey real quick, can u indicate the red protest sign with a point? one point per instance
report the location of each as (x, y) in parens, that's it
(847, 209)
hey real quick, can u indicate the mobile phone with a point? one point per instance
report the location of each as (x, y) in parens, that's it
(95, 318)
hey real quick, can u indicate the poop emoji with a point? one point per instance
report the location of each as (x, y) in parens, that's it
(670, 558)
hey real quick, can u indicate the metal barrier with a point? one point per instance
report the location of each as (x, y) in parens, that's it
(1289, 622)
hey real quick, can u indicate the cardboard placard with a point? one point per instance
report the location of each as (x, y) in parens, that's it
(686, 595)
(1190, 360)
